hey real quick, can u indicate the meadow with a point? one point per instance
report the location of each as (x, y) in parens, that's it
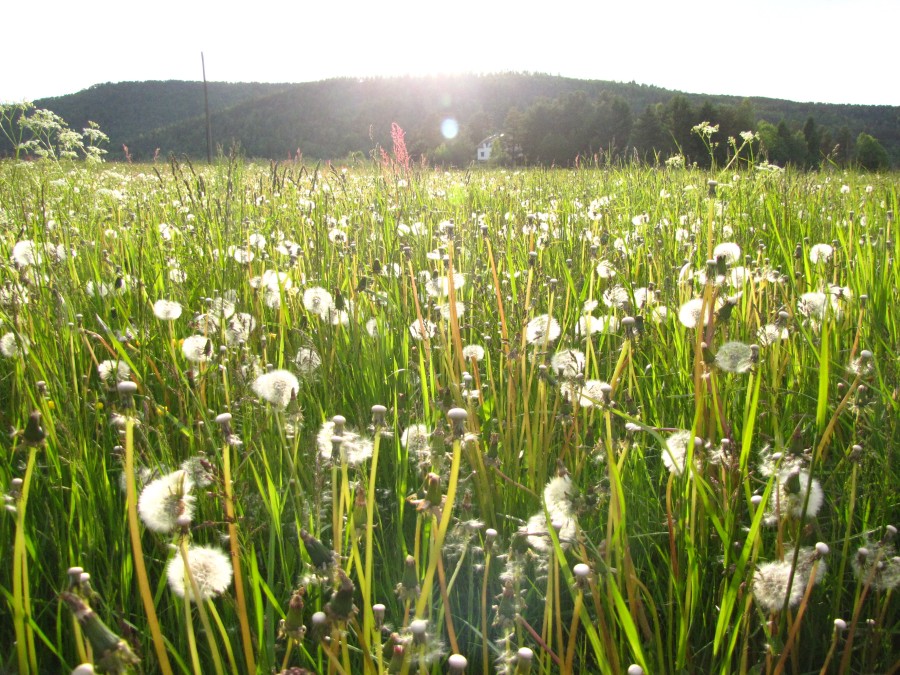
(383, 418)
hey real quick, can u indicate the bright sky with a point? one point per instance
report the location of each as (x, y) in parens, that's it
(836, 51)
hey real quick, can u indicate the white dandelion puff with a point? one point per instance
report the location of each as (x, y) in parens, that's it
(166, 310)
(12, 345)
(210, 567)
(568, 363)
(728, 250)
(770, 585)
(164, 500)
(277, 387)
(317, 300)
(420, 330)
(113, 372)
(541, 329)
(735, 357)
(308, 361)
(820, 253)
(473, 352)
(197, 348)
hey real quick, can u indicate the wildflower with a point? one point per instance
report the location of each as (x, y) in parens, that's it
(791, 495)
(439, 287)
(25, 254)
(689, 314)
(317, 300)
(674, 455)
(372, 327)
(197, 348)
(416, 439)
(820, 253)
(12, 345)
(591, 393)
(354, 447)
(475, 352)
(445, 310)
(771, 333)
(878, 565)
(542, 329)
(421, 329)
(221, 308)
(616, 296)
(337, 236)
(307, 361)
(558, 494)
(730, 251)
(558, 501)
(164, 500)
(210, 568)
(113, 372)
(277, 387)
(588, 325)
(568, 363)
(340, 607)
(239, 328)
(166, 310)
(770, 585)
(735, 357)
(605, 270)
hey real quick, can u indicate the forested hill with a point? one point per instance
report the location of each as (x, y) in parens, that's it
(544, 119)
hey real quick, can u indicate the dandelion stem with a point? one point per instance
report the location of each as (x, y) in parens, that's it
(139, 569)
(234, 546)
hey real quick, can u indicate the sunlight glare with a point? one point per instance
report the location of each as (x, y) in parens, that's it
(449, 128)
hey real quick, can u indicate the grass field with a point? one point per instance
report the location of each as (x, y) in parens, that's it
(361, 421)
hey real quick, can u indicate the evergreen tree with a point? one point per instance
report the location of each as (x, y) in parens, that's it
(813, 139)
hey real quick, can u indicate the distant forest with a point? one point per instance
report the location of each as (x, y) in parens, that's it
(543, 119)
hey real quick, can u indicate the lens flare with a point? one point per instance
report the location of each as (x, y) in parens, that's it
(449, 128)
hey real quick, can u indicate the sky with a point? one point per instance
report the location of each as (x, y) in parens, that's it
(832, 51)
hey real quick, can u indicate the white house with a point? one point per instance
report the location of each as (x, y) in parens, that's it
(484, 148)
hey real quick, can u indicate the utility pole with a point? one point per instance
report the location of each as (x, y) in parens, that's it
(206, 105)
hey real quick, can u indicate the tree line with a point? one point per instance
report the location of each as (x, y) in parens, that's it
(543, 120)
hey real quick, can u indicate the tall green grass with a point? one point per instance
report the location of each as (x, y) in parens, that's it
(468, 541)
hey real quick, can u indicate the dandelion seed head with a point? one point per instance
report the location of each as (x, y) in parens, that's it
(196, 348)
(878, 562)
(541, 329)
(559, 493)
(475, 352)
(318, 301)
(419, 330)
(770, 585)
(11, 346)
(163, 500)
(210, 567)
(276, 387)
(166, 310)
(674, 455)
(617, 297)
(820, 253)
(735, 357)
(771, 333)
(728, 250)
(689, 314)
(568, 363)
(307, 361)
(112, 372)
